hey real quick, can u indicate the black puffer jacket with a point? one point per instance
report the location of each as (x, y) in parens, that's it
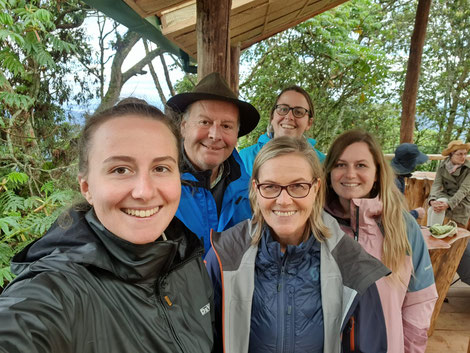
(82, 289)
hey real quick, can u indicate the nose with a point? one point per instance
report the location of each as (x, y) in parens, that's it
(350, 172)
(284, 198)
(290, 115)
(144, 188)
(214, 132)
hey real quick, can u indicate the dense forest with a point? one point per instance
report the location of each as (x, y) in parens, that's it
(352, 59)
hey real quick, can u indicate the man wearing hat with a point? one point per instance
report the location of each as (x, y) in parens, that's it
(407, 157)
(215, 184)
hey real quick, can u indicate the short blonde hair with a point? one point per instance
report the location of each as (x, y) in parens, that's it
(281, 146)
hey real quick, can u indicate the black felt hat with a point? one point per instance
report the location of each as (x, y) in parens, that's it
(407, 157)
(214, 87)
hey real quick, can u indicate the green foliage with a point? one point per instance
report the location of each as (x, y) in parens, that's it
(24, 219)
(338, 57)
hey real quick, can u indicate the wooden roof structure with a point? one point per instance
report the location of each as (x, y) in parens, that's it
(213, 32)
(250, 20)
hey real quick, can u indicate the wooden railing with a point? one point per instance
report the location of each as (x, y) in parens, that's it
(432, 157)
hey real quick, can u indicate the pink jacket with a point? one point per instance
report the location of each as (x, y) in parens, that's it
(407, 303)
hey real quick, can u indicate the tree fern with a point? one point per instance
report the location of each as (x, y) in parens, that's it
(9, 201)
(5, 275)
(16, 179)
(8, 225)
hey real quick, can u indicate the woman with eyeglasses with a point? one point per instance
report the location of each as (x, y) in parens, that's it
(289, 279)
(292, 115)
(361, 194)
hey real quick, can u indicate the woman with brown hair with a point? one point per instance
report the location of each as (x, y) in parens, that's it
(292, 115)
(120, 274)
(363, 197)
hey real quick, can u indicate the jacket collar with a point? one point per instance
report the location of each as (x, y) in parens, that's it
(364, 212)
(270, 251)
(86, 241)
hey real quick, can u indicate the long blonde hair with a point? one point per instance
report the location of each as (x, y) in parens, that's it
(281, 146)
(396, 245)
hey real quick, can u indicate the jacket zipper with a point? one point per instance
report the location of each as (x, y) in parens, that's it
(166, 302)
(282, 291)
(356, 233)
(172, 329)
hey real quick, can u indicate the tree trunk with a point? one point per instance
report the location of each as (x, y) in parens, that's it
(410, 90)
(455, 99)
(167, 75)
(118, 78)
(212, 30)
(158, 86)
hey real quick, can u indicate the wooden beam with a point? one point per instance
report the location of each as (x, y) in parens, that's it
(318, 7)
(234, 67)
(156, 7)
(179, 20)
(410, 90)
(212, 30)
(136, 8)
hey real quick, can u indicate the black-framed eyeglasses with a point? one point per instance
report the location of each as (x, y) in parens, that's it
(283, 110)
(295, 190)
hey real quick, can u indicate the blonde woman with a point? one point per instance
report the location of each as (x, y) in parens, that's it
(289, 279)
(362, 196)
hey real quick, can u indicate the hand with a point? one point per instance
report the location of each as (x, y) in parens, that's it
(420, 211)
(439, 206)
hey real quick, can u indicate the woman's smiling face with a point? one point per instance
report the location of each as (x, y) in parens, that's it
(287, 216)
(354, 173)
(133, 180)
(289, 125)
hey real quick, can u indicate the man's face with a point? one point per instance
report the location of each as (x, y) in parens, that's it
(210, 133)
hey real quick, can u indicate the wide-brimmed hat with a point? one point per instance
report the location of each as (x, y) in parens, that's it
(214, 87)
(407, 157)
(454, 146)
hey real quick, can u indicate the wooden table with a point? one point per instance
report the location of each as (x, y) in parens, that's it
(445, 258)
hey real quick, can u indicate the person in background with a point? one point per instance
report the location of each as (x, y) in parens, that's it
(119, 273)
(292, 115)
(363, 197)
(452, 184)
(407, 157)
(215, 183)
(289, 279)
(450, 194)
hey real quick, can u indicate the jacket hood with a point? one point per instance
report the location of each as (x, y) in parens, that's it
(84, 240)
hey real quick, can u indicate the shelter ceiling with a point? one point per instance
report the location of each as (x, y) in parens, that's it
(250, 20)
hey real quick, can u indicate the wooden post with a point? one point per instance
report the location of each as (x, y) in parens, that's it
(410, 90)
(234, 68)
(212, 30)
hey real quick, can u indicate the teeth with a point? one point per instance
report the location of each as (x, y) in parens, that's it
(287, 126)
(141, 213)
(350, 185)
(285, 213)
(213, 148)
